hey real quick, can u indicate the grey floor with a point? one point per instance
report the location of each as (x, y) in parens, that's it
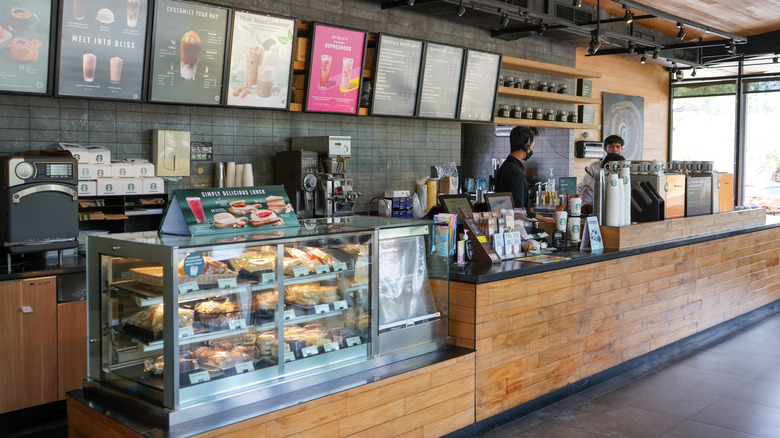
(729, 390)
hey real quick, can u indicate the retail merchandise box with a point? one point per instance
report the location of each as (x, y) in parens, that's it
(121, 169)
(130, 186)
(143, 169)
(152, 186)
(448, 185)
(94, 171)
(87, 188)
(98, 155)
(79, 152)
(110, 186)
(397, 193)
(302, 49)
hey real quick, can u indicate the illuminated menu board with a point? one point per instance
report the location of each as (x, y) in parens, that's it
(261, 61)
(102, 47)
(440, 85)
(25, 36)
(335, 70)
(480, 84)
(396, 76)
(188, 53)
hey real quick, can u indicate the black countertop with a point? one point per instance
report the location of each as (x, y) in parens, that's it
(479, 273)
(37, 265)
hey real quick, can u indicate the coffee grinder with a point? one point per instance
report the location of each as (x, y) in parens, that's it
(334, 195)
(297, 171)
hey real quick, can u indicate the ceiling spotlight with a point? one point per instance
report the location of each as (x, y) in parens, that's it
(542, 27)
(410, 2)
(629, 17)
(732, 47)
(681, 33)
(630, 48)
(775, 60)
(595, 43)
(693, 73)
(643, 60)
(461, 10)
(655, 54)
(576, 4)
(504, 20)
(678, 75)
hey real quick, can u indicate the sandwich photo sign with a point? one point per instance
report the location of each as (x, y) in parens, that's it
(228, 210)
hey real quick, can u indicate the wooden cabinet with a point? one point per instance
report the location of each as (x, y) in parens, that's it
(28, 342)
(71, 346)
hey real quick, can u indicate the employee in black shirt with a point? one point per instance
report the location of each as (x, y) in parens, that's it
(511, 174)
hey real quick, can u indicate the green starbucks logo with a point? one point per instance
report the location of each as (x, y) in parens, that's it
(84, 171)
(101, 172)
(122, 171)
(153, 186)
(144, 171)
(613, 183)
(99, 158)
(131, 187)
(109, 187)
(84, 188)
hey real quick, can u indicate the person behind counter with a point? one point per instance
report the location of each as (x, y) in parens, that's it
(511, 174)
(613, 146)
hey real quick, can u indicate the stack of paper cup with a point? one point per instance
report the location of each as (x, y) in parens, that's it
(574, 229)
(230, 174)
(249, 177)
(239, 175)
(625, 179)
(219, 175)
(560, 220)
(614, 201)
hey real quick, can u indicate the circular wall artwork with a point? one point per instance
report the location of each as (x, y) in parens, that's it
(624, 116)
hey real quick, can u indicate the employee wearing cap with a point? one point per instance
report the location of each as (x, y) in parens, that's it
(613, 146)
(511, 174)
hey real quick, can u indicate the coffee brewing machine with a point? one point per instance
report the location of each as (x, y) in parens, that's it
(315, 176)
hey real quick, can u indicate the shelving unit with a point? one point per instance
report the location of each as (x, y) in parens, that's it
(125, 213)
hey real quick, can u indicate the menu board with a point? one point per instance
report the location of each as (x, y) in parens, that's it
(102, 47)
(335, 70)
(397, 76)
(188, 53)
(261, 61)
(440, 87)
(480, 84)
(25, 40)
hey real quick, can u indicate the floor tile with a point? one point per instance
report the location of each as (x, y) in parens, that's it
(679, 402)
(772, 375)
(693, 429)
(692, 379)
(619, 421)
(742, 417)
(759, 392)
(551, 429)
(727, 363)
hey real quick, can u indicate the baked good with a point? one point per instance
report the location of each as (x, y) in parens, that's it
(254, 261)
(225, 346)
(151, 318)
(23, 50)
(210, 267)
(203, 353)
(265, 300)
(310, 294)
(215, 313)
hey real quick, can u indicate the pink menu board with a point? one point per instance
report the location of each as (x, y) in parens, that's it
(335, 70)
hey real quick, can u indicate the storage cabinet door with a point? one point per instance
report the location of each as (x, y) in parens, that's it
(72, 345)
(28, 321)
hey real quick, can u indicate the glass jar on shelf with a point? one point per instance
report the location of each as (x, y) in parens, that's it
(572, 117)
(503, 110)
(549, 115)
(509, 81)
(530, 84)
(538, 114)
(561, 117)
(518, 82)
(562, 89)
(528, 113)
(551, 87)
(515, 113)
(542, 86)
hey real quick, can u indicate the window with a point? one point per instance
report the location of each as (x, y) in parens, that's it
(762, 144)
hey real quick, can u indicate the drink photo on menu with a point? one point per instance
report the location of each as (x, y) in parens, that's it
(102, 47)
(261, 50)
(24, 45)
(188, 53)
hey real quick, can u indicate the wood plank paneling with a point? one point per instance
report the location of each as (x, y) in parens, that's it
(659, 298)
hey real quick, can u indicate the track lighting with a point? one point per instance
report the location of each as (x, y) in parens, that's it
(732, 47)
(681, 33)
(678, 75)
(643, 60)
(410, 2)
(461, 10)
(655, 54)
(595, 43)
(630, 48)
(542, 27)
(576, 4)
(628, 17)
(775, 60)
(693, 73)
(504, 20)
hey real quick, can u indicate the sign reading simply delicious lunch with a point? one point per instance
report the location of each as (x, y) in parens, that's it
(102, 48)
(335, 70)
(24, 44)
(188, 53)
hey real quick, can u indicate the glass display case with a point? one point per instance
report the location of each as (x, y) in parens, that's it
(257, 315)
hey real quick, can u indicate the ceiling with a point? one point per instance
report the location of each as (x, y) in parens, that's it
(710, 25)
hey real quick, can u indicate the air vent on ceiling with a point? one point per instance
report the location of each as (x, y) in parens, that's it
(576, 15)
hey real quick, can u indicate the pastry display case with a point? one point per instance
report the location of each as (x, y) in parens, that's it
(258, 317)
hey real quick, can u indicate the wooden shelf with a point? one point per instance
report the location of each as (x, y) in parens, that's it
(522, 93)
(511, 63)
(541, 123)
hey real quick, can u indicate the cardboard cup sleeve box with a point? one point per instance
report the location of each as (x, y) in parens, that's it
(87, 188)
(110, 186)
(99, 155)
(94, 171)
(120, 169)
(152, 186)
(80, 153)
(131, 186)
(143, 169)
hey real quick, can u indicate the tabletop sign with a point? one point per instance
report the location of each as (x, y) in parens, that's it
(188, 52)
(335, 70)
(27, 40)
(186, 331)
(321, 308)
(591, 235)
(567, 185)
(321, 269)
(289, 314)
(244, 367)
(301, 272)
(396, 76)
(331, 346)
(339, 266)
(340, 305)
(289, 356)
(235, 324)
(268, 277)
(189, 286)
(309, 351)
(355, 340)
(480, 85)
(225, 283)
(440, 83)
(200, 377)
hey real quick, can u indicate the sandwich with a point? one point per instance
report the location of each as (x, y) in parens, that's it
(241, 207)
(275, 204)
(264, 217)
(227, 220)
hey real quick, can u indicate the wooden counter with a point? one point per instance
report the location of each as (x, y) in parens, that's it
(537, 333)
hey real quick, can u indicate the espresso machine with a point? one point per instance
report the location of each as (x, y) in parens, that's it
(333, 193)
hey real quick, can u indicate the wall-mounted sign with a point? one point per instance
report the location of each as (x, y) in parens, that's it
(480, 84)
(335, 70)
(102, 47)
(25, 45)
(396, 76)
(261, 61)
(440, 84)
(188, 53)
